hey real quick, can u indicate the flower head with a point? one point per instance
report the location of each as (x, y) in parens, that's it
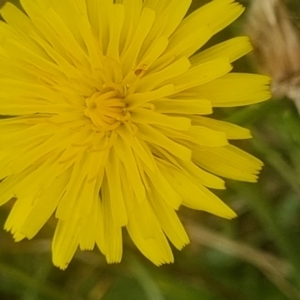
(105, 125)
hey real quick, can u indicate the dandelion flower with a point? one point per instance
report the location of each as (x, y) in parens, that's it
(104, 121)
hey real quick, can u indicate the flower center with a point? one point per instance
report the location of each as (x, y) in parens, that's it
(106, 110)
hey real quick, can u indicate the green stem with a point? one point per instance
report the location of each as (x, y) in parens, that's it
(250, 114)
(267, 216)
(276, 160)
(144, 278)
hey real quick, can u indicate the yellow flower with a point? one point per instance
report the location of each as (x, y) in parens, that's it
(104, 125)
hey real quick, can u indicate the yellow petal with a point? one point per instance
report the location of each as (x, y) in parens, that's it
(235, 89)
(233, 48)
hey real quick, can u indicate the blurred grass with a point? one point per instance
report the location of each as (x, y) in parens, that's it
(255, 256)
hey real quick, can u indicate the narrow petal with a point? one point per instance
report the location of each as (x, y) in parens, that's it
(112, 234)
(169, 222)
(232, 131)
(112, 170)
(235, 89)
(65, 242)
(233, 48)
(229, 162)
(201, 74)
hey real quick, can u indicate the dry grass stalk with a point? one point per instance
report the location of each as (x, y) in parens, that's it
(276, 42)
(274, 268)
